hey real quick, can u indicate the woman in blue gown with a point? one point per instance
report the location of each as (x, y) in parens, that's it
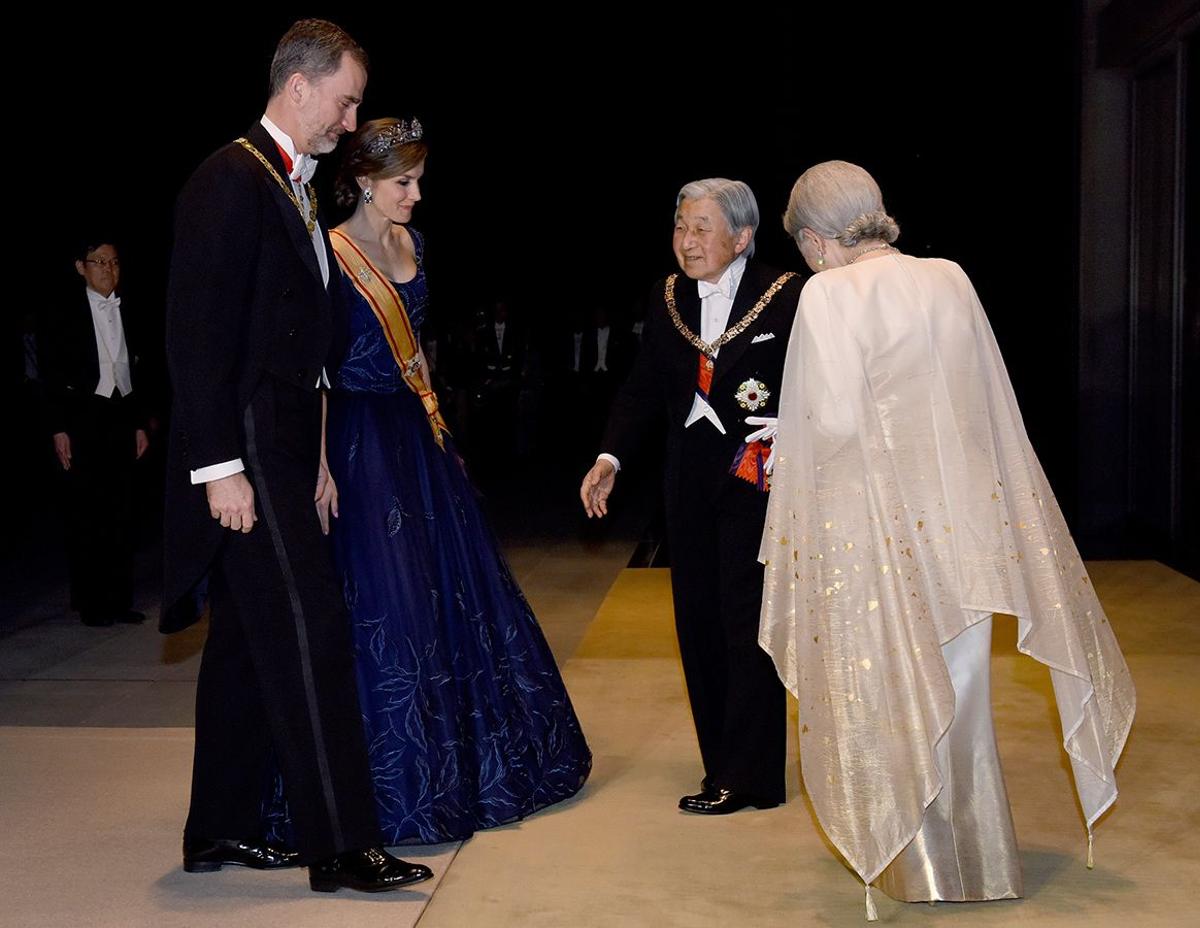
(467, 721)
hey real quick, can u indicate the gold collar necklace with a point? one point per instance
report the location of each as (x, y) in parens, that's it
(311, 222)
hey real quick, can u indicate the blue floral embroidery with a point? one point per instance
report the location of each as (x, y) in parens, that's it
(467, 722)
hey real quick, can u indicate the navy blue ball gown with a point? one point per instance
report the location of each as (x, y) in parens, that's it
(467, 721)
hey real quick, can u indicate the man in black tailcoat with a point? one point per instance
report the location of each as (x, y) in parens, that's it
(253, 325)
(97, 410)
(713, 349)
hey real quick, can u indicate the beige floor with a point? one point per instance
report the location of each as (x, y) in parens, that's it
(89, 816)
(622, 855)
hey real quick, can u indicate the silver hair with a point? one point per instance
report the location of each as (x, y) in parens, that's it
(839, 200)
(735, 199)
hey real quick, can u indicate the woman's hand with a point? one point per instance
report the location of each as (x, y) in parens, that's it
(326, 497)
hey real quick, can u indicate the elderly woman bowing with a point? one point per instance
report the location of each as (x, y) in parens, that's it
(907, 506)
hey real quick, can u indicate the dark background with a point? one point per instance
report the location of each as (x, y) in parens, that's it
(558, 143)
(555, 160)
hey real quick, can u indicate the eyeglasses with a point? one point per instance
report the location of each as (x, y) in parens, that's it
(114, 263)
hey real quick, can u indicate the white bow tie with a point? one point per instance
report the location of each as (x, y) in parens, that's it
(303, 168)
(109, 304)
(707, 289)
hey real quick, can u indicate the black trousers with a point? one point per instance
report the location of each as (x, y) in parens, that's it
(739, 706)
(100, 520)
(277, 675)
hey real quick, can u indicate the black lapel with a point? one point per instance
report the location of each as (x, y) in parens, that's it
(756, 279)
(687, 301)
(85, 333)
(295, 225)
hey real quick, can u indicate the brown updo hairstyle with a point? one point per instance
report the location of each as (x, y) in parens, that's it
(378, 162)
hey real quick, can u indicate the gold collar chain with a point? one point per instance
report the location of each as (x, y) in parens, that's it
(709, 349)
(311, 222)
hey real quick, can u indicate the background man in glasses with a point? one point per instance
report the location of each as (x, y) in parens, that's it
(90, 367)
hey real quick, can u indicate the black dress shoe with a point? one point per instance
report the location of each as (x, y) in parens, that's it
(204, 855)
(129, 617)
(96, 619)
(718, 801)
(371, 871)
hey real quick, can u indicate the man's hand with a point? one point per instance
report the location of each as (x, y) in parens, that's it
(326, 497)
(62, 448)
(597, 485)
(768, 432)
(141, 443)
(231, 501)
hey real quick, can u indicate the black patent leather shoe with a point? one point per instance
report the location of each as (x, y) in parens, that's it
(96, 619)
(204, 855)
(371, 871)
(129, 617)
(718, 801)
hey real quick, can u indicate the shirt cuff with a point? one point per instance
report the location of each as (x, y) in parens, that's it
(217, 471)
(605, 456)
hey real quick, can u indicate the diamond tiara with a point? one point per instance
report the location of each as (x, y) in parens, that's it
(400, 133)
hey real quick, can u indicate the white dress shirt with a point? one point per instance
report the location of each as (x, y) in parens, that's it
(303, 167)
(716, 303)
(302, 171)
(601, 349)
(111, 350)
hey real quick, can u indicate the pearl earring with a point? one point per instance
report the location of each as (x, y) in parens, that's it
(368, 196)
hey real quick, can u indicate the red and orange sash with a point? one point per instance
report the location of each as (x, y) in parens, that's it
(389, 309)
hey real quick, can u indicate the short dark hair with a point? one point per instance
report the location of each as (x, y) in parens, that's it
(92, 239)
(314, 47)
(366, 157)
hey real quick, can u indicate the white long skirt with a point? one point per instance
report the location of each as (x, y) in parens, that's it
(966, 849)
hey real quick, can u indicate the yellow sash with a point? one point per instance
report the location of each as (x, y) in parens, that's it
(389, 309)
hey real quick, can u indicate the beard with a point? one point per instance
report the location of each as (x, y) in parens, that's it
(320, 143)
(320, 137)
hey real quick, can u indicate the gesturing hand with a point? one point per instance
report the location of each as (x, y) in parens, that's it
(231, 502)
(597, 485)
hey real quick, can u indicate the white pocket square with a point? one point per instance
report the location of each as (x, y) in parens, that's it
(765, 337)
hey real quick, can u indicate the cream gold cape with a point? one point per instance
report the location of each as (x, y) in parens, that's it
(906, 504)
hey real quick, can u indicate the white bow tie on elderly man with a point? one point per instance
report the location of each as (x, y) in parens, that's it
(303, 168)
(722, 287)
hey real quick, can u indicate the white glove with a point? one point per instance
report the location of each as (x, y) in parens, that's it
(770, 428)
